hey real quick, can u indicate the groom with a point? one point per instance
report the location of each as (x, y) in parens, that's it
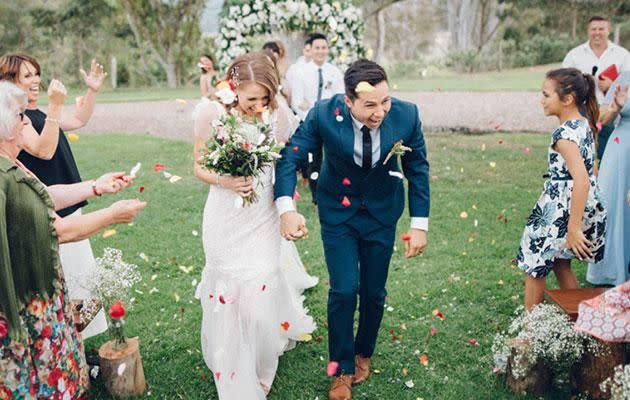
(360, 196)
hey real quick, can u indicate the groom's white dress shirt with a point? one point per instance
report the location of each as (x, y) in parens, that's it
(285, 203)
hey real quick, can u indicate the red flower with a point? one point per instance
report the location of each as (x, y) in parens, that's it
(5, 393)
(285, 325)
(4, 327)
(117, 310)
(345, 201)
(405, 237)
(346, 182)
(46, 332)
(157, 167)
(54, 377)
(246, 146)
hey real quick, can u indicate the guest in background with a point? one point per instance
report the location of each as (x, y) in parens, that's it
(208, 75)
(614, 181)
(319, 80)
(594, 57)
(294, 72)
(60, 169)
(41, 353)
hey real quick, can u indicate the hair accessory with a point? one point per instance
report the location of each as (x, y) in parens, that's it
(235, 77)
(364, 86)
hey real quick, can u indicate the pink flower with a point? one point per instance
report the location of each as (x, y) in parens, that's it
(4, 327)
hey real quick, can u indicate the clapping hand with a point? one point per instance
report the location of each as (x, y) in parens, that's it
(56, 93)
(95, 78)
(620, 96)
(113, 182)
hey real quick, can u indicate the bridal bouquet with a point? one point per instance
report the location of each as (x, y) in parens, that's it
(241, 147)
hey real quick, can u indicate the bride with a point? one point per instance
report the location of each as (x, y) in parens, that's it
(251, 313)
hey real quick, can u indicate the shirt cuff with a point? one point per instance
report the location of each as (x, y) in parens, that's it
(284, 204)
(421, 223)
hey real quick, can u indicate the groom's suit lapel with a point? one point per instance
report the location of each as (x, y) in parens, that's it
(387, 137)
(346, 133)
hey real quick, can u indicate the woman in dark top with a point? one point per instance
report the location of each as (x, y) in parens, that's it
(58, 166)
(41, 353)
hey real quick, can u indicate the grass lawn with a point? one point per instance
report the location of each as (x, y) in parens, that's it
(521, 79)
(465, 272)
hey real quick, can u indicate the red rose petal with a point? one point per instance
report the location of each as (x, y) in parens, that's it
(433, 331)
(285, 325)
(424, 360)
(211, 296)
(499, 217)
(222, 299)
(332, 367)
(473, 342)
(346, 182)
(295, 149)
(264, 287)
(141, 189)
(345, 202)
(616, 139)
(405, 237)
(232, 375)
(157, 167)
(296, 196)
(218, 375)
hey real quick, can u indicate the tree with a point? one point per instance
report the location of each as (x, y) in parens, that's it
(472, 23)
(169, 29)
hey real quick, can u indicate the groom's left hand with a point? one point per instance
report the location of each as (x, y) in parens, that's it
(416, 244)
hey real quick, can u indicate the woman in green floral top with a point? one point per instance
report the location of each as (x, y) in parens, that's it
(41, 354)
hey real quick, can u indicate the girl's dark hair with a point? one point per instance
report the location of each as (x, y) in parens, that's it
(572, 82)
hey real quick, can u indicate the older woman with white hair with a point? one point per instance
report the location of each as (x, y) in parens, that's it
(41, 353)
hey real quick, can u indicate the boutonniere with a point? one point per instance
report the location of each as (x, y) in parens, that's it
(398, 149)
(338, 116)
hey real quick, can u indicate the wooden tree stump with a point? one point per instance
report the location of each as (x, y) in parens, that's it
(593, 369)
(538, 377)
(122, 370)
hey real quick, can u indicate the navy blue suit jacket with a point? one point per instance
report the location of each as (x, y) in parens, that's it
(381, 193)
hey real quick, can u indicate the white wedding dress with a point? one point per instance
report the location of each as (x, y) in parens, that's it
(252, 313)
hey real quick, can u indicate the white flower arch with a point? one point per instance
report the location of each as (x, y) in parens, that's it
(339, 19)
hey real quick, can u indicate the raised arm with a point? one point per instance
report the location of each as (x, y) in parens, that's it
(85, 108)
(67, 195)
(44, 145)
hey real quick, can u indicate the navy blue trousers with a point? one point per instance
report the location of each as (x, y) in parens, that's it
(357, 253)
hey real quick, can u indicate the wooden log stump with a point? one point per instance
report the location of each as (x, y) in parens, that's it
(593, 369)
(538, 377)
(121, 370)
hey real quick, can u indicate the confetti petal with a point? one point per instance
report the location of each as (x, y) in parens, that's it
(285, 325)
(141, 189)
(410, 384)
(364, 86)
(121, 369)
(296, 196)
(616, 139)
(134, 170)
(438, 314)
(73, 137)
(157, 167)
(314, 176)
(181, 101)
(473, 342)
(331, 368)
(345, 201)
(492, 164)
(108, 233)
(346, 182)
(217, 375)
(339, 118)
(463, 215)
(174, 178)
(306, 337)
(295, 149)
(433, 331)
(405, 237)
(424, 360)
(396, 174)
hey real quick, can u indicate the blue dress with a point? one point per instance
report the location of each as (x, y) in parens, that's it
(544, 238)
(614, 180)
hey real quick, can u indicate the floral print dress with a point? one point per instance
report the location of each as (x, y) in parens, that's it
(544, 238)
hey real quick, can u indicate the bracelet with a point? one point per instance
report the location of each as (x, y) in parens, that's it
(96, 193)
(48, 119)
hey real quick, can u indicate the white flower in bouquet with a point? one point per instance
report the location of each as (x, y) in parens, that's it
(619, 384)
(249, 132)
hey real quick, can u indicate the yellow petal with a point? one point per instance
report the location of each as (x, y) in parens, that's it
(176, 298)
(174, 178)
(73, 137)
(364, 86)
(223, 85)
(306, 338)
(181, 101)
(463, 215)
(108, 233)
(492, 164)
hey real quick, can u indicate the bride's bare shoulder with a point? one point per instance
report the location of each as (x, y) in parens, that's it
(208, 109)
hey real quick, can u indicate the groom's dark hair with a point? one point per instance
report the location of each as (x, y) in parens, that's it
(362, 70)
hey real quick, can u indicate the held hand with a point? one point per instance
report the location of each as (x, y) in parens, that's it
(621, 96)
(95, 78)
(604, 84)
(124, 211)
(577, 242)
(293, 226)
(416, 244)
(243, 186)
(56, 93)
(113, 182)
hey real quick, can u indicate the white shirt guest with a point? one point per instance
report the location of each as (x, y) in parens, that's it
(598, 54)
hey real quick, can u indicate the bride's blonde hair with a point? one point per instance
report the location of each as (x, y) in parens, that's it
(256, 67)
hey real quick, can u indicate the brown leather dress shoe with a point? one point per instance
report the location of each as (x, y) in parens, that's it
(361, 369)
(341, 388)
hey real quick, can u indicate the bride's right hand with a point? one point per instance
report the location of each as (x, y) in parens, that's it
(243, 186)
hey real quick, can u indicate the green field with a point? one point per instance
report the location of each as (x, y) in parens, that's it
(465, 272)
(522, 79)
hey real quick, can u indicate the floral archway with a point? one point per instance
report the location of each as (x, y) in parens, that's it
(339, 19)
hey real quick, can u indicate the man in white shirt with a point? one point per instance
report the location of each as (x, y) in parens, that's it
(320, 80)
(593, 57)
(294, 72)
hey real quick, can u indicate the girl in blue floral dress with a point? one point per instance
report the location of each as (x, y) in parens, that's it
(569, 220)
